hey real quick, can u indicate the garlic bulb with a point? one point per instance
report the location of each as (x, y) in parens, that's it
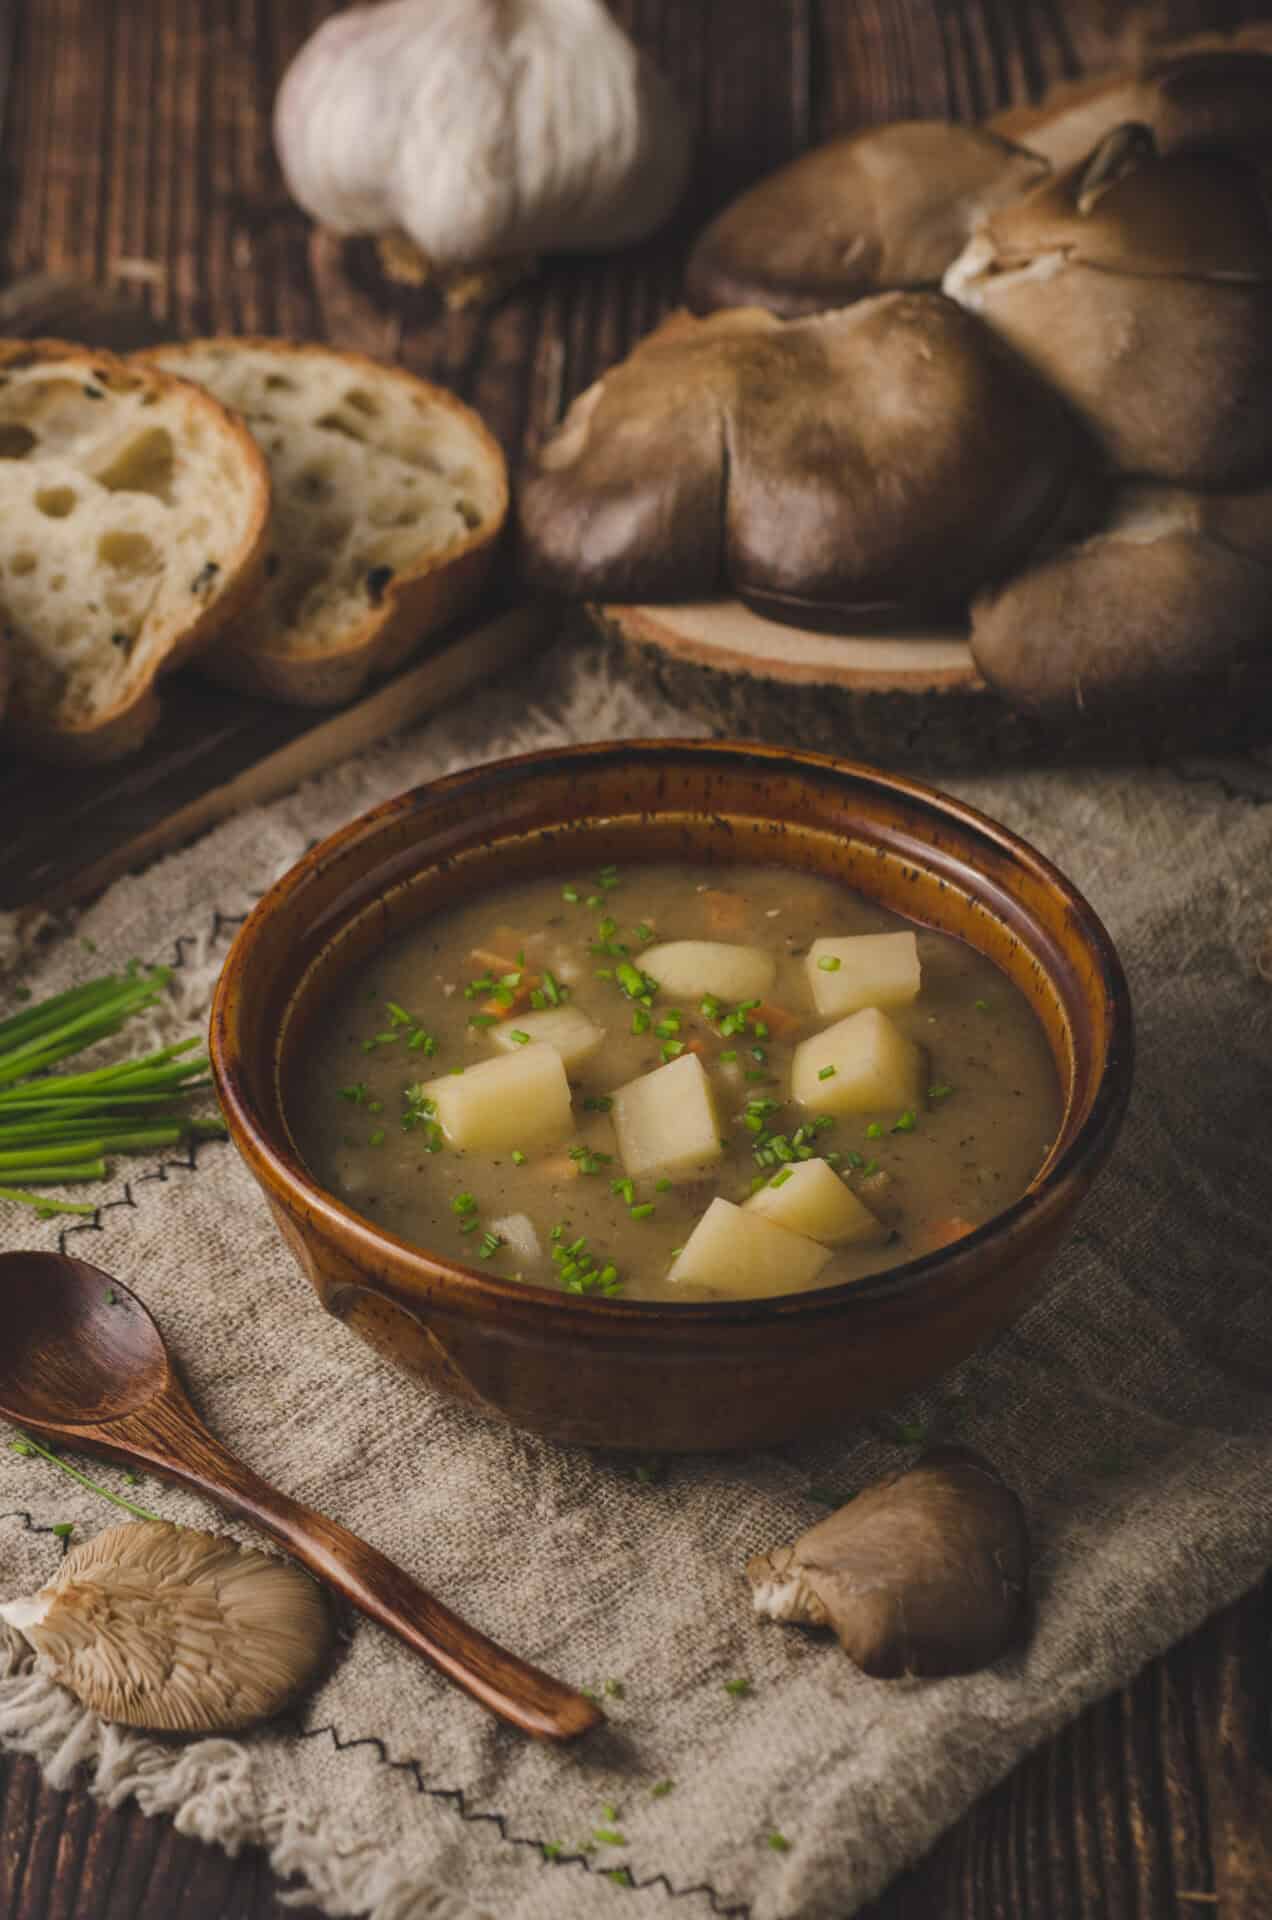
(485, 130)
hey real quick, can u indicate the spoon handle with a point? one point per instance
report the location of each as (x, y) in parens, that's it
(509, 1686)
(168, 1436)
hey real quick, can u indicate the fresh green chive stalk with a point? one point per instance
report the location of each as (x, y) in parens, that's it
(29, 1448)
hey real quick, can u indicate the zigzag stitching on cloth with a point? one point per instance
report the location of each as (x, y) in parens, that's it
(33, 1526)
(456, 1798)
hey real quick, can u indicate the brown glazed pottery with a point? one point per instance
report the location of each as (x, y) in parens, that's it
(648, 1374)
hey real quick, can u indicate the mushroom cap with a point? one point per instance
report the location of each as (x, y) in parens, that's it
(1190, 94)
(871, 463)
(1129, 208)
(887, 208)
(1190, 578)
(1141, 287)
(176, 1630)
(925, 1573)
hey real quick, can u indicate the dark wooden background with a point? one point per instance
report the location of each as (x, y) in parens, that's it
(135, 153)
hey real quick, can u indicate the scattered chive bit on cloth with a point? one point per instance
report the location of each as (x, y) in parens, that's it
(1146, 1344)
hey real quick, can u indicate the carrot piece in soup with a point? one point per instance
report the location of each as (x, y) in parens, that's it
(726, 912)
(778, 1020)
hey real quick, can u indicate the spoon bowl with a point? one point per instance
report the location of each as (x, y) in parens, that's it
(84, 1362)
(78, 1345)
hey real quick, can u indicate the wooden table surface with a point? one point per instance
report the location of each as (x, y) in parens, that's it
(136, 153)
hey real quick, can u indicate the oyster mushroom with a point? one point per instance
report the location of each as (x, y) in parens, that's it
(922, 1574)
(891, 207)
(1141, 285)
(176, 1630)
(1190, 575)
(1188, 94)
(871, 464)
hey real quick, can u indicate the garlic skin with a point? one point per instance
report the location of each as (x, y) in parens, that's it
(177, 1630)
(483, 129)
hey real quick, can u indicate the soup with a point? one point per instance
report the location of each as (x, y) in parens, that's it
(677, 1082)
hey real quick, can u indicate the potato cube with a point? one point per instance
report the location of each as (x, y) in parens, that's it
(665, 1122)
(567, 1029)
(740, 1253)
(863, 1064)
(521, 1099)
(810, 1198)
(863, 970)
(686, 969)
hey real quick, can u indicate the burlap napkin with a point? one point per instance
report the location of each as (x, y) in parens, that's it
(1130, 1406)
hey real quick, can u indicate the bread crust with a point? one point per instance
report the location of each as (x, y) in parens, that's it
(123, 727)
(416, 602)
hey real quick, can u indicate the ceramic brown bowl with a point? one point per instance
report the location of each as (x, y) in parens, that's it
(653, 1375)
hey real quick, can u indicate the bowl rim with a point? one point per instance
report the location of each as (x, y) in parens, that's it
(1075, 1166)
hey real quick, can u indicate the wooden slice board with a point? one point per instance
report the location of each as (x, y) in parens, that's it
(900, 697)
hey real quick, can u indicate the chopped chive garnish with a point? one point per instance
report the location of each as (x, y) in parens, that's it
(874, 1131)
(588, 1160)
(641, 1020)
(490, 1243)
(663, 1185)
(625, 1190)
(906, 1122)
(597, 1103)
(830, 963)
(481, 1020)
(553, 991)
(779, 1843)
(855, 1160)
(519, 1037)
(982, 1006)
(738, 1688)
(871, 1166)
(571, 894)
(377, 1138)
(635, 984)
(780, 1179)
(644, 932)
(940, 1092)
(729, 1053)
(643, 1211)
(464, 1203)
(355, 1094)
(672, 1049)
(826, 1073)
(609, 1836)
(518, 1158)
(661, 1788)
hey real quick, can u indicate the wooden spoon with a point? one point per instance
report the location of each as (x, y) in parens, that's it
(83, 1361)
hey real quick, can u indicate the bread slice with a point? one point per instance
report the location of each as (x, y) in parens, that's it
(389, 495)
(133, 515)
